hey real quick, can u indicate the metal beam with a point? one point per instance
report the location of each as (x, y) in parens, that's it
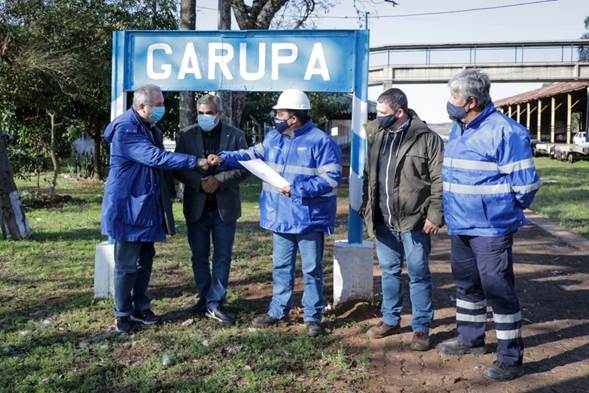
(506, 73)
(499, 44)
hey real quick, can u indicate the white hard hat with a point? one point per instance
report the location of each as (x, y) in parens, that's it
(293, 99)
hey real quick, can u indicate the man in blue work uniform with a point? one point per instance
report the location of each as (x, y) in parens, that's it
(136, 208)
(299, 214)
(489, 179)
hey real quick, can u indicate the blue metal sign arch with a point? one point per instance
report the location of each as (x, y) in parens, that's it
(252, 60)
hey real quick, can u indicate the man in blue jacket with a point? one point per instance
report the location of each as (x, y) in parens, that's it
(489, 179)
(299, 214)
(136, 208)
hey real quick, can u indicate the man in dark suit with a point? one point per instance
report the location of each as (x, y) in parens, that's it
(212, 205)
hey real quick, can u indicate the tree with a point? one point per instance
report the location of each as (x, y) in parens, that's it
(264, 14)
(583, 50)
(187, 22)
(55, 57)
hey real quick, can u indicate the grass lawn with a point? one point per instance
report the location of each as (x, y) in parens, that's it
(564, 195)
(55, 337)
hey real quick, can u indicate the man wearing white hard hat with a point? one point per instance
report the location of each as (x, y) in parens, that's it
(300, 214)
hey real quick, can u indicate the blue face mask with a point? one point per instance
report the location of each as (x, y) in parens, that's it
(280, 125)
(456, 112)
(385, 122)
(158, 113)
(206, 122)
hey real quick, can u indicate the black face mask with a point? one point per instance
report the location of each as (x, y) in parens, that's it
(456, 112)
(385, 122)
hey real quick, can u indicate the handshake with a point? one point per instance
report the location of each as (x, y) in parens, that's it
(211, 160)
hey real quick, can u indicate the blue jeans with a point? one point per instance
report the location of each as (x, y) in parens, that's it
(133, 262)
(211, 287)
(415, 246)
(284, 255)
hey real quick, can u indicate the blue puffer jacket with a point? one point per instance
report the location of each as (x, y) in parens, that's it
(132, 206)
(311, 162)
(489, 176)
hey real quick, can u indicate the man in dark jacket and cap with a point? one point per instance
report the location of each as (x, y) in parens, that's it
(136, 208)
(402, 207)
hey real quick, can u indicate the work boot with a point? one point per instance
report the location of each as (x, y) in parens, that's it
(381, 330)
(420, 341)
(455, 347)
(500, 372)
(264, 320)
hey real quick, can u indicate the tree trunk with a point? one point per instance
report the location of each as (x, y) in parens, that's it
(53, 155)
(224, 23)
(97, 158)
(187, 22)
(12, 217)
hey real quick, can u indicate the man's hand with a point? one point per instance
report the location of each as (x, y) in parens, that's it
(429, 228)
(285, 191)
(214, 160)
(210, 184)
(203, 164)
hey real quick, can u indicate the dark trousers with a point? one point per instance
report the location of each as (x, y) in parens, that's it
(482, 268)
(211, 285)
(133, 262)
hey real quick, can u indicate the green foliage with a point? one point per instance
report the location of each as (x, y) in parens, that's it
(258, 107)
(56, 57)
(583, 50)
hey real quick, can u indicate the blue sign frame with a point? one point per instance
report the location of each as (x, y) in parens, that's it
(252, 60)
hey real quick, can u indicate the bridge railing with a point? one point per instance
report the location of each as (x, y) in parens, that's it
(536, 52)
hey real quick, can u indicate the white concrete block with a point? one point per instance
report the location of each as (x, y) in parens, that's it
(352, 271)
(104, 268)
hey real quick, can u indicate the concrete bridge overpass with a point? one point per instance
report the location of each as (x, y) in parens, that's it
(537, 61)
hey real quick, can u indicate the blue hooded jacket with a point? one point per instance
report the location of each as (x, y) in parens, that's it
(132, 203)
(489, 176)
(311, 162)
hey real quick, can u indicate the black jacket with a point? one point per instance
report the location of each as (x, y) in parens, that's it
(228, 197)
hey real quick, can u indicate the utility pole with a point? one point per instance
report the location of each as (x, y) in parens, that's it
(187, 22)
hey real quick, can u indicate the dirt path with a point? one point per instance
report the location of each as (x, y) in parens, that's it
(553, 283)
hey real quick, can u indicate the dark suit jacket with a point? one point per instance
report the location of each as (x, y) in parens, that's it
(228, 197)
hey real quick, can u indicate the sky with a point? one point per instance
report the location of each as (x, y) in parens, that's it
(556, 20)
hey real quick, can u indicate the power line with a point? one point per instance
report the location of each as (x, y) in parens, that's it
(439, 12)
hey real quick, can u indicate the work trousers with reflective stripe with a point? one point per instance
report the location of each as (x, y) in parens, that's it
(482, 268)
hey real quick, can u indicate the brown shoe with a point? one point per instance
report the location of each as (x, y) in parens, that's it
(420, 341)
(381, 330)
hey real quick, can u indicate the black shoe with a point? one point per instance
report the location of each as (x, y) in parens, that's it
(264, 320)
(145, 317)
(199, 309)
(500, 372)
(313, 329)
(220, 315)
(124, 325)
(455, 347)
